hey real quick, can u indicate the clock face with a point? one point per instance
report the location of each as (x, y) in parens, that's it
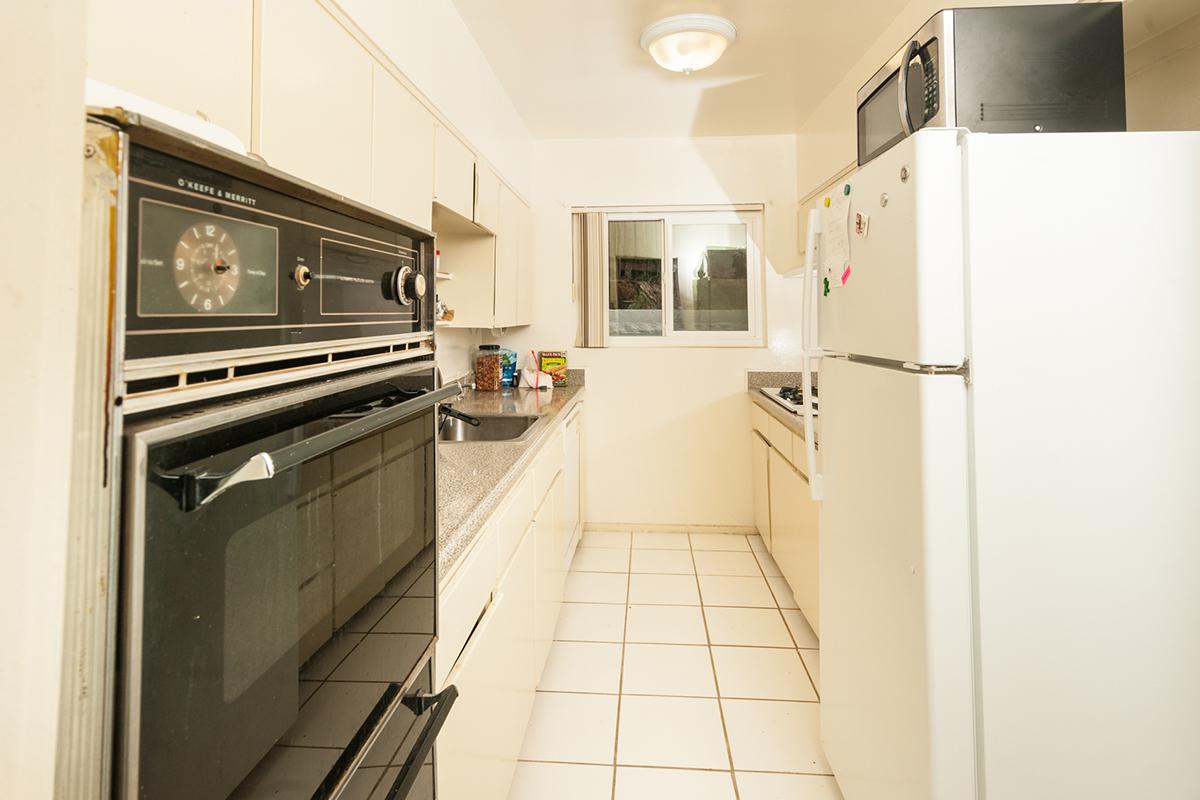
(207, 267)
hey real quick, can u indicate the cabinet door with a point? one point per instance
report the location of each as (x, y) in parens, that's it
(550, 576)
(808, 554)
(525, 266)
(487, 198)
(173, 67)
(762, 494)
(453, 174)
(401, 152)
(571, 506)
(508, 253)
(315, 107)
(477, 749)
(794, 533)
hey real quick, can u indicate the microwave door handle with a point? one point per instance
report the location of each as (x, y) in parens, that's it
(196, 490)
(912, 50)
(443, 701)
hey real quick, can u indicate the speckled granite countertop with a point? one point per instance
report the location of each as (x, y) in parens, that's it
(473, 477)
(793, 422)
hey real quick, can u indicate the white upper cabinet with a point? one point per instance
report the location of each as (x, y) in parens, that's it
(508, 258)
(316, 98)
(198, 61)
(525, 273)
(453, 174)
(401, 150)
(487, 198)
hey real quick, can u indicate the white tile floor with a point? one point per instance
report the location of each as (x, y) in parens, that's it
(680, 669)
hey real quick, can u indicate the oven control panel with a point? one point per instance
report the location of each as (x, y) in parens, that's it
(218, 262)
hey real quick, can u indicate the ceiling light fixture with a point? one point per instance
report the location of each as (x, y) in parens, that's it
(688, 42)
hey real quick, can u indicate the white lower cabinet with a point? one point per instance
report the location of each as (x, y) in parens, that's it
(759, 450)
(570, 486)
(494, 652)
(794, 534)
(477, 749)
(551, 574)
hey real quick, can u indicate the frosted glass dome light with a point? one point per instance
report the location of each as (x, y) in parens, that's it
(688, 42)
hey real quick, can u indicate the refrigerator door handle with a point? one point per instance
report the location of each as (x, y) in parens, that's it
(810, 352)
(815, 479)
(811, 243)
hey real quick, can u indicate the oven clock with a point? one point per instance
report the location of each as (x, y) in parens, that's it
(207, 272)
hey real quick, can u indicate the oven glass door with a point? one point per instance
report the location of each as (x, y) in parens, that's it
(879, 126)
(272, 612)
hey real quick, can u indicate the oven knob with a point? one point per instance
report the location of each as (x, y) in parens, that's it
(410, 286)
(302, 276)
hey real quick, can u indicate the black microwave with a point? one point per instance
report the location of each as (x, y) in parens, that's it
(1016, 69)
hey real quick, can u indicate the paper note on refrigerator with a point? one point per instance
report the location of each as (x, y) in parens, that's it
(835, 251)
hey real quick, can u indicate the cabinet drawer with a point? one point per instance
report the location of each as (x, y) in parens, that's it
(514, 517)
(780, 438)
(477, 750)
(759, 418)
(463, 599)
(546, 466)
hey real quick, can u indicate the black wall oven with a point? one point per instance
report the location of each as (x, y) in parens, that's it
(280, 583)
(276, 424)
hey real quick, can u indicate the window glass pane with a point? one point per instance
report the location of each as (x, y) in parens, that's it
(635, 265)
(708, 263)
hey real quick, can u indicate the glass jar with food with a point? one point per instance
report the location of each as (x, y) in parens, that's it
(487, 367)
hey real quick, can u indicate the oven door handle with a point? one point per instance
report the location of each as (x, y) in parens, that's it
(442, 702)
(198, 489)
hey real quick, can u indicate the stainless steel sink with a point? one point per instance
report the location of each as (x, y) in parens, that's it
(492, 428)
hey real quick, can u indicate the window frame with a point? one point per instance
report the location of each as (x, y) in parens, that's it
(749, 215)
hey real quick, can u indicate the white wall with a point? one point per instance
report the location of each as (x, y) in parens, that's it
(432, 46)
(667, 428)
(41, 78)
(1162, 79)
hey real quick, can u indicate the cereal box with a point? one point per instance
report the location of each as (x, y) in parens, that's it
(554, 364)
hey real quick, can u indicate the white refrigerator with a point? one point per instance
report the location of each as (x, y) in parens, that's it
(1010, 468)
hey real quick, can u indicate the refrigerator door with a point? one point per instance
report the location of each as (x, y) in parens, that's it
(1087, 457)
(896, 711)
(891, 282)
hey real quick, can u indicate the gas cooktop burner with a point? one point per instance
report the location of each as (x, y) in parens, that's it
(790, 397)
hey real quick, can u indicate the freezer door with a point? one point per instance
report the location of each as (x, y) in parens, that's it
(896, 699)
(891, 278)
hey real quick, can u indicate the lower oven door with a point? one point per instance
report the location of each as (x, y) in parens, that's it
(279, 590)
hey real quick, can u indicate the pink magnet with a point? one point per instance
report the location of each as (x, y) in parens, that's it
(846, 275)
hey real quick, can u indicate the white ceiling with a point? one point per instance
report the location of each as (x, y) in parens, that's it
(574, 69)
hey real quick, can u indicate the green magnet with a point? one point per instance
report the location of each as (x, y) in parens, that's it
(826, 287)
(846, 190)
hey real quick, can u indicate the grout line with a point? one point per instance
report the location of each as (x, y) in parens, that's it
(712, 661)
(621, 676)
(670, 767)
(791, 635)
(661, 644)
(675, 696)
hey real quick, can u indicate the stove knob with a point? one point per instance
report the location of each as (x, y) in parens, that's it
(410, 286)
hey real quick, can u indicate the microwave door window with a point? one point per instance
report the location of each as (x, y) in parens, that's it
(879, 121)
